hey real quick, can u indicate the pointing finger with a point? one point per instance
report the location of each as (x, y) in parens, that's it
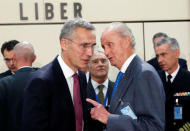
(94, 103)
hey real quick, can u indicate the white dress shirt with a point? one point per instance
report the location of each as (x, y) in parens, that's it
(68, 73)
(173, 74)
(127, 62)
(95, 86)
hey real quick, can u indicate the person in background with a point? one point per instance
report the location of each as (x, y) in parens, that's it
(7, 52)
(12, 87)
(55, 96)
(99, 87)
(176, 81)
(138, 98)
(86, 71)
(154, 62)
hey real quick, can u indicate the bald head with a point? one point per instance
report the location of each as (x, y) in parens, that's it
(23, 54)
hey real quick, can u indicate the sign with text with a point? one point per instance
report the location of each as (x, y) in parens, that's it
(55, 11)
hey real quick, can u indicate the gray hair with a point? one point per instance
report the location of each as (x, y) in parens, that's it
(69, 27)
(95, 53)
(173, 43)
(123, 30)
(24, 51)
(159, 34)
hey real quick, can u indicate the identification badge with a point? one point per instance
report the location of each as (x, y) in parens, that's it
(128, 111)
(178, 113)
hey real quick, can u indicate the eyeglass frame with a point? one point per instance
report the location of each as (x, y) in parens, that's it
(83, 46)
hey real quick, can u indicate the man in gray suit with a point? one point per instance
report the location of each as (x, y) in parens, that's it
(137, 102)
(99, 87)
(12, 87)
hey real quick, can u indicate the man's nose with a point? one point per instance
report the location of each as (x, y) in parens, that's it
(90, 51)
(106, 51)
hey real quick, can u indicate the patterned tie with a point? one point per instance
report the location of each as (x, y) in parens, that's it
(119, 77)
(77, 103)
(101, 94)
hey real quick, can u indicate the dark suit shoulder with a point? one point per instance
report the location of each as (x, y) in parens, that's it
(44, 72)
(154, 63)
(6, 80)
(151, 61)
(182, 60)
(184, 75)
(6, 73)
(183, 63)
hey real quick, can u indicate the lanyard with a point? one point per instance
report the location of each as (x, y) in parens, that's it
(105, 100)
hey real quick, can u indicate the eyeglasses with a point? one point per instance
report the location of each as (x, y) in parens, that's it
(83, 46)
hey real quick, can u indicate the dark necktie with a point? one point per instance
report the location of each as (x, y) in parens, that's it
(101, 94)
(118, 79)
(77, 103)
(169, 80)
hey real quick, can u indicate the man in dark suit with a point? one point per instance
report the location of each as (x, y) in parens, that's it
(154, 61)
(138, 97)
(99, 87)
(55, 96)
(12, 87)
(176, 82)
(7, 52)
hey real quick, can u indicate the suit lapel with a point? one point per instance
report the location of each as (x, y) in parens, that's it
(124, 84)
(90, 91)
(110, 89)
(63, 88)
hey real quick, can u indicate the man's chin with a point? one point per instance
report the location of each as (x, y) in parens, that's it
(165, 69)
(13, 70)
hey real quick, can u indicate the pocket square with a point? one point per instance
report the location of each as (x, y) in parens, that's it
(128, 111)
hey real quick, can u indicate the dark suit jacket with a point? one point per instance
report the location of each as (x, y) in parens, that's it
(13, 88)
(181, 83)
(140, 89)
(48, 105)
(154, 63)
(6, 73)
(94, 125)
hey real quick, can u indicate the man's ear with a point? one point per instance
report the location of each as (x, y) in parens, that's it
(34, 58)
(127, 41)
(64, 44)
(14, 59)
(177, 53)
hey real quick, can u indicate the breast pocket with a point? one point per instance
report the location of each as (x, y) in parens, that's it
(126, 109)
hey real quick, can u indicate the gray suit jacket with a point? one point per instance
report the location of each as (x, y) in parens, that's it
(140, 89)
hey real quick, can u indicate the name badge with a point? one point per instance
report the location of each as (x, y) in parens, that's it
(178, 113)
(128, 111)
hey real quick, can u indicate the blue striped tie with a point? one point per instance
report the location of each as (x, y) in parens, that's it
(119, 77)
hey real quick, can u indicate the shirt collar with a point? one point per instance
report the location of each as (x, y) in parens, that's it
(24, 67)
(127, 62)
(67, 71)
(95, 84)
(173, 74)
